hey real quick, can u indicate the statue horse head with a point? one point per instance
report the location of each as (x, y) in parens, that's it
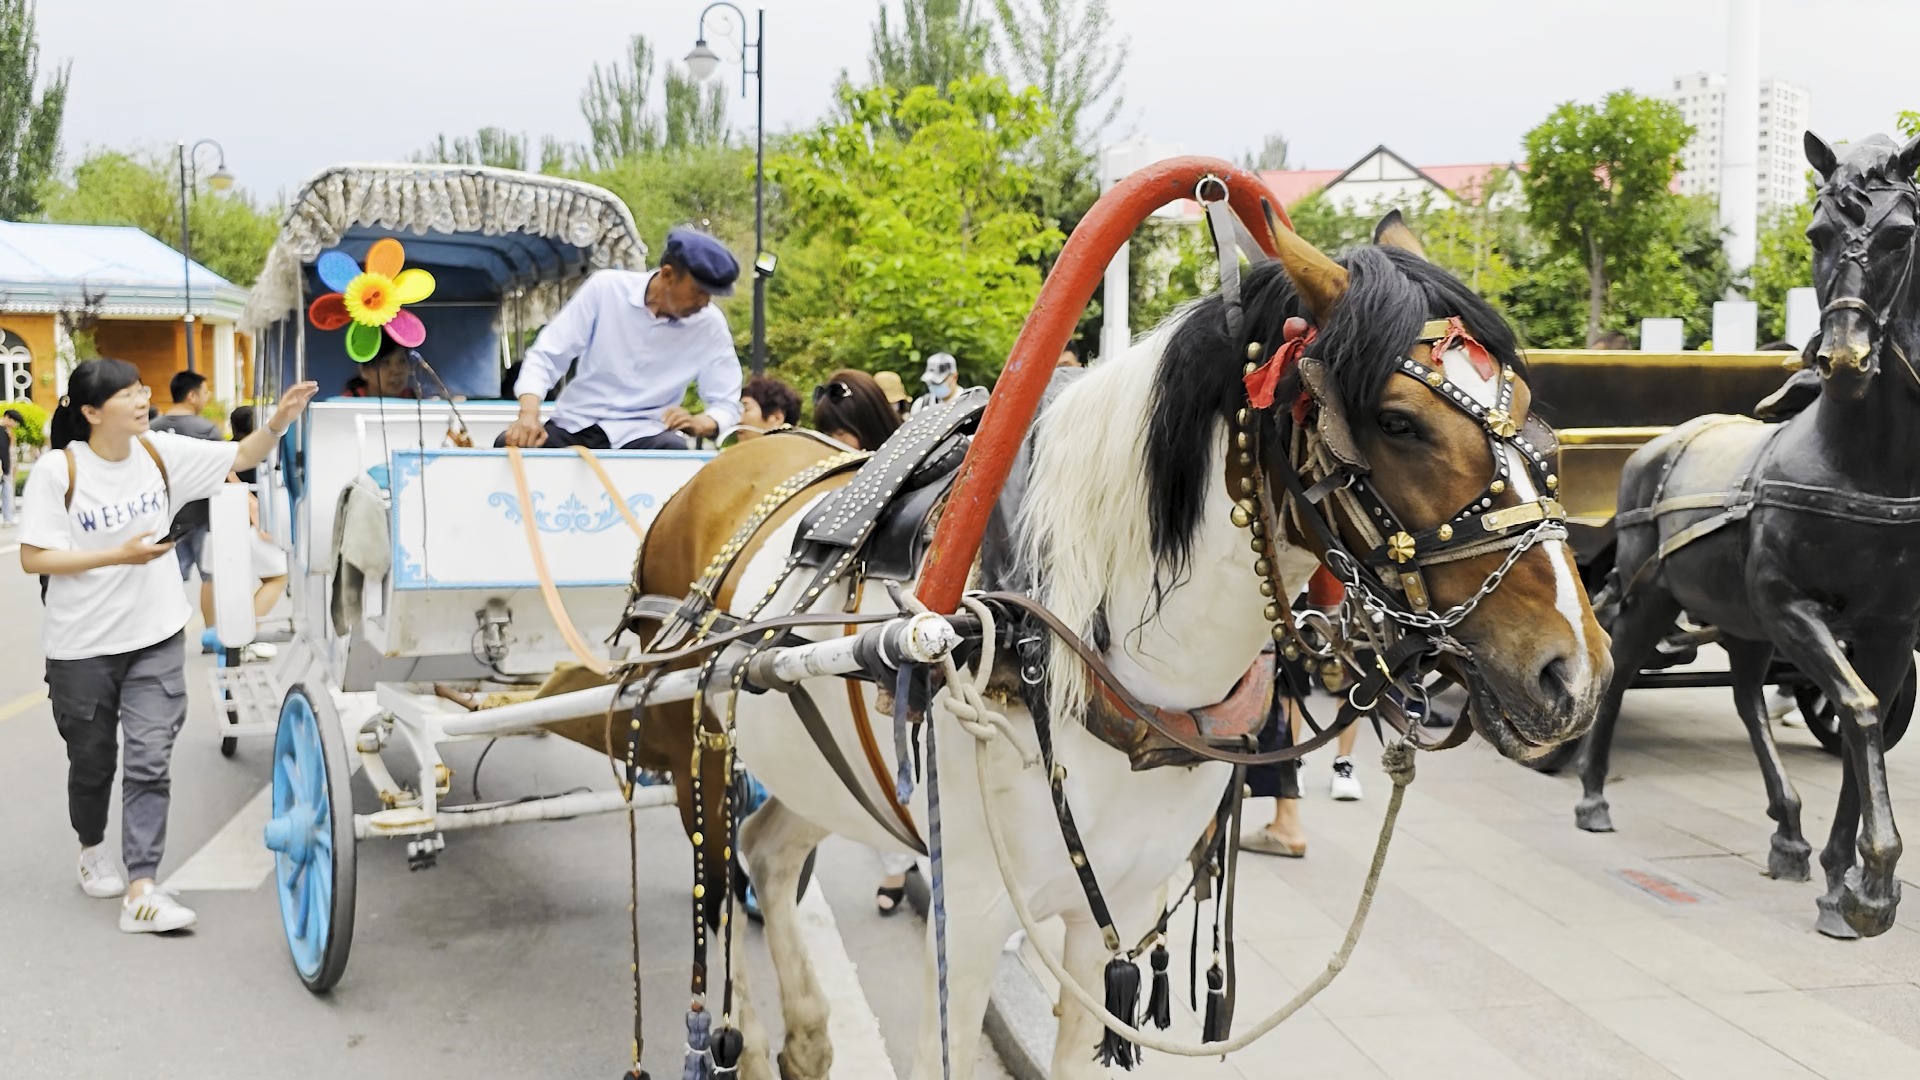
(1863, 258)
(1407, 410)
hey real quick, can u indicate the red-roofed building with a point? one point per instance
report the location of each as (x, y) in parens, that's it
(1382, 179)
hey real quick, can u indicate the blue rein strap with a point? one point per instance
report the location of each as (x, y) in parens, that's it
(902, 749)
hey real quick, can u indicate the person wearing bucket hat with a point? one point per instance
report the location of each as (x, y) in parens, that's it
(895, 390)
(640, 338)
(942, 379)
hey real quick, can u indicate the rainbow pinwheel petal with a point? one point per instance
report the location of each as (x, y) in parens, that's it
(407, 329)
(363, 342)
(413, 286)
(386, 257)
(329, 312)
(337, 270)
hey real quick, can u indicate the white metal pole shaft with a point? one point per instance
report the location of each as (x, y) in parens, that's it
(1740, 136)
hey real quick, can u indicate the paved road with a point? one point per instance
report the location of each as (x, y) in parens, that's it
(508, 960)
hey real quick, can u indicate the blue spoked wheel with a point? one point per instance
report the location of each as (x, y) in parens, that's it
(311, 836)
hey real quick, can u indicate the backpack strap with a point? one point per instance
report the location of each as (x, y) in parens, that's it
(159, 464)
(68, 450)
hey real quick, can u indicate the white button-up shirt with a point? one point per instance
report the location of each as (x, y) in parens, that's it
(634, 365)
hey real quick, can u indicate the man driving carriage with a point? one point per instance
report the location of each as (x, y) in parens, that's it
(640, 339)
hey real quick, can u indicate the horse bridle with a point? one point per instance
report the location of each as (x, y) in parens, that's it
(1854, 249)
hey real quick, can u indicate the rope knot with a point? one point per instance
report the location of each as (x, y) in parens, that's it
(1396, 760)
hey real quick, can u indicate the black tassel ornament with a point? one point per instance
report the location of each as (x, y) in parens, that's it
(1160, 1001)
(728, 1046)
(1215, 1028)
(1123, 1001)
(635, 1074)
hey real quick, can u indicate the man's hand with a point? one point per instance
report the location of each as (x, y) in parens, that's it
(678, 419)
(526, 433)
(137, 552)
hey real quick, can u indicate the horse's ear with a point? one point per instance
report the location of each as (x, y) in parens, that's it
(1908, 159)
(1333, 427)
(1820, 156)
(1319, 280)
(1393, 232)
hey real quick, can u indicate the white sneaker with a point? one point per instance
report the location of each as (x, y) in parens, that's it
(1783, 708)
(1343, 786)
(154, 912)
(99, 878)
(257, 651)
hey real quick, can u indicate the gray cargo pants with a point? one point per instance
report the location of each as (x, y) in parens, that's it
(143, 692)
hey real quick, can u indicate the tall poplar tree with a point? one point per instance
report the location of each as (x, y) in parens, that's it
(29, 123)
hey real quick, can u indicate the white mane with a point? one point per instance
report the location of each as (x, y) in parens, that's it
(1086, 517)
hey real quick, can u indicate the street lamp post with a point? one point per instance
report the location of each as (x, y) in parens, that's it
(220, 181)
(703, 62)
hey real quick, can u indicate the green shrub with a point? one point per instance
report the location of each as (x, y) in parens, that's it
(33, 428)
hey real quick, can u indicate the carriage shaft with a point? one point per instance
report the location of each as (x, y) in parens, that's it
(919, 639)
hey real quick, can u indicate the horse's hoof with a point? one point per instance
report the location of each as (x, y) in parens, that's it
(1830, 923)
(1593, 816)
(1870, 916)
(1790, 860)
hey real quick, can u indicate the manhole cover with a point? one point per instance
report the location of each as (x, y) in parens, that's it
(1664, 889)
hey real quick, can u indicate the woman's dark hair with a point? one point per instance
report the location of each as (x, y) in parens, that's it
(772, 396)
(240, 421)
(852, 402)
(92, 383)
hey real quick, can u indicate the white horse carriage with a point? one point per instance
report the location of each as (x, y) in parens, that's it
(424, 565)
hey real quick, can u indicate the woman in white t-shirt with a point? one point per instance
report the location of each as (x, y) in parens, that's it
(96, 515)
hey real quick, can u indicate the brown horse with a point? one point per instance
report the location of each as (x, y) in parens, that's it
(1130, 533)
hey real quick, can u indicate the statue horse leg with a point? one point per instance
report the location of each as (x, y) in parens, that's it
(776, 842)
(1788, 858)
(1644, 618)
(1838, 857)
(1870, 895)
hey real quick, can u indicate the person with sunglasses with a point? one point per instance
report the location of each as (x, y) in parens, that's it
(97, 525)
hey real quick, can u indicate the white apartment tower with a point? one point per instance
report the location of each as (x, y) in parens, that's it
(1784, 114)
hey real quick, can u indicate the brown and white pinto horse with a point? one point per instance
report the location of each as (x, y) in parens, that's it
(1127, 531)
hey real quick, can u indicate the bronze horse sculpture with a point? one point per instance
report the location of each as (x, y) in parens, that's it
(1800, 537)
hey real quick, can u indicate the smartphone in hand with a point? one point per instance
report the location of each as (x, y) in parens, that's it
(175, 533)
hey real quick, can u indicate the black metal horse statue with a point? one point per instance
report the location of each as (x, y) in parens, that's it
(1801, 535)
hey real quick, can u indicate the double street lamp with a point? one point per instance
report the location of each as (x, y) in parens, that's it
(221, 180)
(703, 62)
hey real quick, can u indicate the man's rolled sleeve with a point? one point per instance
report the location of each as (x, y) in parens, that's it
(720, 382)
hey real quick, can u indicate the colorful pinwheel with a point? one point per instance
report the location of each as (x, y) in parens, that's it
(370, 299)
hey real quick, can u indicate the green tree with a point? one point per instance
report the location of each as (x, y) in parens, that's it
(937, 42)
(231, 235)
(1597, 183)
(917, 243)
(1271, 157)
(29, 126)
(493, 146)
(614, 103)
(1783, 260)
(696, 112)
(1066, 50)
(1910, 123)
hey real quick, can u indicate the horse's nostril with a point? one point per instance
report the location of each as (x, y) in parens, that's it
(1556, 680)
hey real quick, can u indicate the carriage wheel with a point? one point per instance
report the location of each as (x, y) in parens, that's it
(311, 835)
(1823, 720)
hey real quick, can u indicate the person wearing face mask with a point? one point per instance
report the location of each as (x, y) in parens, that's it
(942, 379)
(97, 527)
(641, 338)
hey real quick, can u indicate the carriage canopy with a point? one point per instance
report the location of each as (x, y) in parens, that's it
(506, 249)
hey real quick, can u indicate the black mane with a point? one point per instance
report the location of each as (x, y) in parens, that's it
(1390, 295)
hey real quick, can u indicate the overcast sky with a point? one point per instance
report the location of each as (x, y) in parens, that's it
(289, 88)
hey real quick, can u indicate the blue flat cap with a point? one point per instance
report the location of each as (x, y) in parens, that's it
(700, 255)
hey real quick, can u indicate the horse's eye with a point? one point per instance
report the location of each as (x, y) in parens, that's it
(1892, 237)
(1398, 426)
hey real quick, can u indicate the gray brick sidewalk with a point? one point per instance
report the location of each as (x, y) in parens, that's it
(1506, 943)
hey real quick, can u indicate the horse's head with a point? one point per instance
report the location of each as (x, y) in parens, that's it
(1863, 253)
(1419, 410)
